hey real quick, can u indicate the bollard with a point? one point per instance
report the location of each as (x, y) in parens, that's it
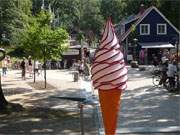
(76, 76)
(81, 105)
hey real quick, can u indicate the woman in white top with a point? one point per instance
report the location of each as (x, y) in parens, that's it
(36, 67)
(172, 71)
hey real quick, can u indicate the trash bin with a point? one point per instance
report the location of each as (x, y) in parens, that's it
(76, 76)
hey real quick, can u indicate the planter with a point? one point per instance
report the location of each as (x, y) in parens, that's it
(134, 64)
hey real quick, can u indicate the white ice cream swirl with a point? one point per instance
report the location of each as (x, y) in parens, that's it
(108, 69)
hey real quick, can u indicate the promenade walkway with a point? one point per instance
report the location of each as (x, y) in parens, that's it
(145, 109)
(43, 114)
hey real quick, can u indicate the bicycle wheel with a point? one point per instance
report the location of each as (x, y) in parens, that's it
(156, 79)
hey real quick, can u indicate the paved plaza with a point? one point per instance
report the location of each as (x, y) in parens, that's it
(145, 109)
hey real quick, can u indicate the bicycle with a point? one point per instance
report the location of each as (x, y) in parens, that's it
(176, 87)
(156, 70)
(156, 77)
(166, 84)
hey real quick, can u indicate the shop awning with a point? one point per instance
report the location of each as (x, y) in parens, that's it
(156, 45)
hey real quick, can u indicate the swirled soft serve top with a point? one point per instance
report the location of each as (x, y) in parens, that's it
(108, 69)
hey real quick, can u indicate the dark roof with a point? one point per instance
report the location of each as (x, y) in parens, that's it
(141, 17)
(129, 20)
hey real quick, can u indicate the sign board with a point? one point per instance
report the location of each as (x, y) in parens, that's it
(71, 52)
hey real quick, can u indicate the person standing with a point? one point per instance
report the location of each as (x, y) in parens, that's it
(172, 71)
(9, 62)
(4, 66)
(164, 69)
(23, 68)
(86, 70)
(81, 68)
(30, 66)
(36, 67)
(141, 56)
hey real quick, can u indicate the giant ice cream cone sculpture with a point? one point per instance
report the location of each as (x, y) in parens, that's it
(109, 76)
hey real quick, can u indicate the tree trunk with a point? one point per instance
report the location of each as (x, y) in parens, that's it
(45, 81)
(3, 101)
(34, 72)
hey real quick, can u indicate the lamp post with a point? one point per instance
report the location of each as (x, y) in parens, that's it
(80, 38)
(134, 48)
(177, 54)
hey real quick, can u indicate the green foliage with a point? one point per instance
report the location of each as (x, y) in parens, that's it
(114, 9)
(13, 17)
(171, 10)
(73, 15)
(91, 19)
(76, 15)
(80, 36)
(67, 13)
(39, 39)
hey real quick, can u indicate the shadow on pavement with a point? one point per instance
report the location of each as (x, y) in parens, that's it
(44, 121)
(15, 91)
(149, 107)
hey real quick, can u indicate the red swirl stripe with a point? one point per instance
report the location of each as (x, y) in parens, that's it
(109, 74)
(116, 62)
(109, 57)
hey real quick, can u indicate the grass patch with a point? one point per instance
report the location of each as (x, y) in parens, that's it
(40, 85)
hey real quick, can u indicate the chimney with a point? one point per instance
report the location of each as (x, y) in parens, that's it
(142, 9)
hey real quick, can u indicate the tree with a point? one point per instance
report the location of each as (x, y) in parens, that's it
(114, 9)
(67, 13)
(171, 10)
(79, 15)
(3, 101)
(13, 17)
(40, 40)
(91, 21)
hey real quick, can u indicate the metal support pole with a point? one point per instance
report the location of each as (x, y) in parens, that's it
(81, 105)
(0, 81)
(177, 51)
(126, 49)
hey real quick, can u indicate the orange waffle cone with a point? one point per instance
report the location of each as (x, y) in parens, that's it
(110, 103)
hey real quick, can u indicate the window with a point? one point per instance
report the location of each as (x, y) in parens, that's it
(144, 29)
(161, 29)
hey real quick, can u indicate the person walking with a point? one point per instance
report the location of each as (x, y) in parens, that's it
(23, 68)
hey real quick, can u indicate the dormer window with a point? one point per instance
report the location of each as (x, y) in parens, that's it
(161, 29)
(144, 29)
